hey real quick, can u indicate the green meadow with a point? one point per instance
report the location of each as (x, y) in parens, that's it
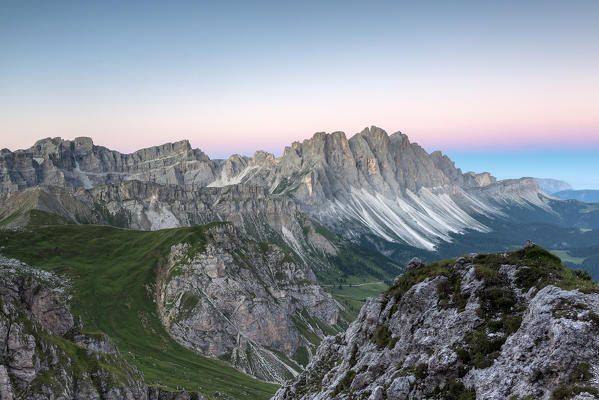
(113, 273)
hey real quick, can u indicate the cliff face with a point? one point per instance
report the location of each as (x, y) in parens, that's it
(250, 303)
(376, 184)
(80, 163)
(149, 206)
(511, 325)
(372, 183)
(44, 353)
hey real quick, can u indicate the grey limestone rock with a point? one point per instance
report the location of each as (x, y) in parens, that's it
(6, 392)
(36, 366)
(449, 332)
(242, 300)
(371, 183)
(413, 264)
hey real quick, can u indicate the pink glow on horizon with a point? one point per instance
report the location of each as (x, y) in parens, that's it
(437, 116)
(491, 75)
(222, 141)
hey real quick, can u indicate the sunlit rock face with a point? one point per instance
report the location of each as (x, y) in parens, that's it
(372, 183)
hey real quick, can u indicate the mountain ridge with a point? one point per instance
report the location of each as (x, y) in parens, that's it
(374, 182)
(82, 145)
(551, 186)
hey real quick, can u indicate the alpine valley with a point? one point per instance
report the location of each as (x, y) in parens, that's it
(164, 274)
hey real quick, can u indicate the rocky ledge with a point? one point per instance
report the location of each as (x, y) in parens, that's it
(497, 326)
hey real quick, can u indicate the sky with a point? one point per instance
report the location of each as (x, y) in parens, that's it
(508, 87)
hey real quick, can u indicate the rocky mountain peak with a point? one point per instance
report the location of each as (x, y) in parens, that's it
(487, 326)
(48, 146)
(47, 141)
(339, 135)
(264, 158)
(375, 183)
(483, 179)
(374, 135)
(181, 146)
(83, 144)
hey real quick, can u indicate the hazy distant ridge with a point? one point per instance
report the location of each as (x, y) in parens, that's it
(551, 186)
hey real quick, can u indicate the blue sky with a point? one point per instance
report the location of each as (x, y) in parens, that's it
(577, 167)
(508, 86)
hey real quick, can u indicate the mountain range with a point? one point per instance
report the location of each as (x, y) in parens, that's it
(372, 183)
(247, 263)
(563, 190)
(375, 189)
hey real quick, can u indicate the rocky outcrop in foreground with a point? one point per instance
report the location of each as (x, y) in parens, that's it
(498, 326)
(45, 355)
(250, 303)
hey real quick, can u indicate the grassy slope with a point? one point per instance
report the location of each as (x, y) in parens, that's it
(367, 271)
(352, 298)
(113, 272)
(567, 257)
